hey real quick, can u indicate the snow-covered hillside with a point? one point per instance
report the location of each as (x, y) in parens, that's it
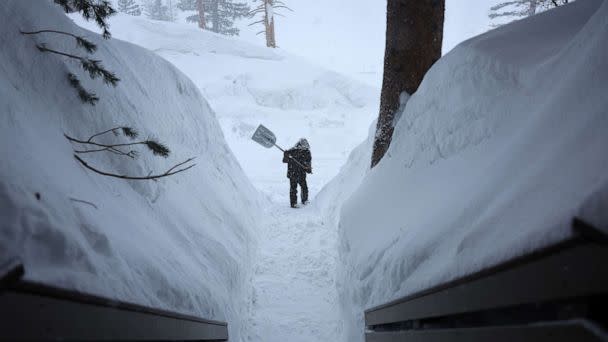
(182, 243)
(247, 85)
(504, 142)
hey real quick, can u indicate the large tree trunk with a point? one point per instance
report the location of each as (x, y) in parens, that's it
(532, 7)
(200, 7)
(414, 33)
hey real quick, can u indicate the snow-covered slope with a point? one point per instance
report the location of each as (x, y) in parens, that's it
(503, 143)
(182, 243)
(247, 85)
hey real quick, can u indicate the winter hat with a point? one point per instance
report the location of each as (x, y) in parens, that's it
(302, 144)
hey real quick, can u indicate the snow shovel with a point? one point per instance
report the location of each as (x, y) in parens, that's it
(266, 138)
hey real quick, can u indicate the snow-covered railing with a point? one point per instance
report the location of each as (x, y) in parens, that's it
(34, 311)
(559, 293)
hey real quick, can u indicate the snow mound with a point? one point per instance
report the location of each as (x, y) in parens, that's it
(503, 143)
(182, 243)
(247, 85)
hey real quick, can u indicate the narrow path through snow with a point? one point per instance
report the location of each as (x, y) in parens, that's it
(294, 293)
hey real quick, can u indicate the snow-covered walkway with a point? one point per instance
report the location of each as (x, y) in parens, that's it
(294, 293)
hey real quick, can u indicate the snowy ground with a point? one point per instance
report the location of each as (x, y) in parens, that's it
(293, 288)
(294, 291)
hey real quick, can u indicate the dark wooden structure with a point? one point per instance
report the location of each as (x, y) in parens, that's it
(559, 293)
(34, 311)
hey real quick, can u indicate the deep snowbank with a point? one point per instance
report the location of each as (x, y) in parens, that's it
(247, 85)
(183, 243)
(501, 146)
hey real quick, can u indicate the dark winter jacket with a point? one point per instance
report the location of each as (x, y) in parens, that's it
(303, 157)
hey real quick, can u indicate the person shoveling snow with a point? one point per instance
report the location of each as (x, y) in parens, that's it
(298, 161)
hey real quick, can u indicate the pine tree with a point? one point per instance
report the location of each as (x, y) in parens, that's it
(129, 7)
(215, 15)
(268, 10)
(171, 12)
(194, 5)
(156, 10)
(517, 9)
(414, 35)
(90, 9)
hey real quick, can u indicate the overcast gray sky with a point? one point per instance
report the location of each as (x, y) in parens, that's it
(348, 35)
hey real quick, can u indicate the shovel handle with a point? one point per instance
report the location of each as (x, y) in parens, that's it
(292, 158)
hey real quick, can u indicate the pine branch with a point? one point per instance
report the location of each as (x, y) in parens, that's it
(99, 11)
(157, 148)
(95, 69)
(84, 95)
(129, 132)
(167, 173)
(505, 4)
(80, 41)
(92, 66)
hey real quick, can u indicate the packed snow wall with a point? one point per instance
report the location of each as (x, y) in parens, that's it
(181, 243)
(504, 142)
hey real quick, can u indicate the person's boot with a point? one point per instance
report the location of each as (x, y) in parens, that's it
(294, 205)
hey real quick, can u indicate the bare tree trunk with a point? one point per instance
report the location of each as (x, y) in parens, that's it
(201, 14)
(414, 33)
(269, 23)
(270, 38)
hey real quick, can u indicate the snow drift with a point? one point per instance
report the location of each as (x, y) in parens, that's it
(182, 243)
(247, 85)
(504, 142)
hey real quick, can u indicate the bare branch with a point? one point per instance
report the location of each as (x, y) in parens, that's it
(80, 41)
(256, 11)
(81, 201)
(256, 22)
(167, 173)
(281, 6)
(102, 133)
(131, 154)
(113, 147)
(43, 48)
(180, 164)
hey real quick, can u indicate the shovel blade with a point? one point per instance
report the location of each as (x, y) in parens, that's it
(264, 137)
